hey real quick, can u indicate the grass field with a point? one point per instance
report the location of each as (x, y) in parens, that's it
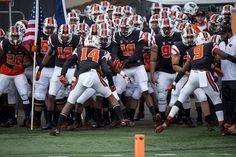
(175, 141)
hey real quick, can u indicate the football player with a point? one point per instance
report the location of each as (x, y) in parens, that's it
(13, 65)
(161, 52)
(63, 45)
(90, 58)
(128, 46)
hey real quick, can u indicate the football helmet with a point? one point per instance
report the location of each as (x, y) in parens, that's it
(147, 41)
(117, 13)
(64, 34)
(181, 17)
(49, 26)
(105, 35)
(2, 34)
(154, 22)
(72, 18)
(116, 23)
(92, 41)
(94, 29)
(96, 11)
(138, 22)
(22, 24)
(74, 29)
(128, 11)
(188, 36)
(102, 18)
(105, 5)
(83, 29)
(126, 26)
(203, 38)
(155, 8)
(227, 9)
(15, 35)
(215, 22)
(182, 26)
(167, 27)
(176, 8)
(110, 10)
(190, 8)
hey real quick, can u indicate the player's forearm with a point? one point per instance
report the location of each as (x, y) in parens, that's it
(138, 52)
(44, 62)
(107, 73)
(227, 56)
(72, 60)
(153, 59)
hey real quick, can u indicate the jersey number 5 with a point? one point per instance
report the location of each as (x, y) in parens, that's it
(128, 50)
(198, 52)
(94, 55)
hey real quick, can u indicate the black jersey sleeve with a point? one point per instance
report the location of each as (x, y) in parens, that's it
(50, 45)
(72, 60)
(107, 72)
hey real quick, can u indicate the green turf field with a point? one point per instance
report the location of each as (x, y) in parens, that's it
(175, 141)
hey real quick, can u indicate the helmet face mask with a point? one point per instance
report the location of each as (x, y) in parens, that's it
(126, 26)
(15, 36)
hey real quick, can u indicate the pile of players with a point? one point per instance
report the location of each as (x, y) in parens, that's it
(109, 60)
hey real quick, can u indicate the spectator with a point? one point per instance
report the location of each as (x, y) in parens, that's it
(200, 24)
(229, 79)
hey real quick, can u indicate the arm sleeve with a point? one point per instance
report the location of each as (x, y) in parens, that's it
(68, 63)
(107, 72)
(115, 50)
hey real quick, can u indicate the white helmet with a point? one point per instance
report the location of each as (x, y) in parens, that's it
(118, 12)
(116, 23)
(216, 39)
(92, 41)
(215, 22)
(105, 35)
(49, 23)
(105, 5)
(188, 36)
(94, 29)
(227, 9)
(72, 18)
(154, 21)
(83, 29)
(96, 11)
(22, 24)
(176, 8)
(203, 38)
(190, 8)
(74, 29)
(102, 18)
(181, 17)
(138, 22)
(155, 8)
(15, 35)
(181, 26)
(167, 27)
(126, 26)
(128, 11)
(2, 34)
(64, 34)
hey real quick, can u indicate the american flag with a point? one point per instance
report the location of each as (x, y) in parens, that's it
(29, 35)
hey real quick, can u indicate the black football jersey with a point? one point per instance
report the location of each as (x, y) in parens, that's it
(128, 49)
(43, 49)
(180, 49)
(164, 51)
(62, 51)
(202, 56)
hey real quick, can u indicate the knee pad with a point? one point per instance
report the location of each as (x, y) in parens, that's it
(60, 103)
(38, 105)
(143, 86)
(162, 97)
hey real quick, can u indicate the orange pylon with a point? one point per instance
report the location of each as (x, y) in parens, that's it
(139, 146)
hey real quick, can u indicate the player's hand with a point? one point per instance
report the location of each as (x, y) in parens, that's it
(19, 67)
(38, 74)
(122, 65)
(113, 88)
(169, 88)
(73, 82)
(34, 48)
(153, 80)
(63, 80)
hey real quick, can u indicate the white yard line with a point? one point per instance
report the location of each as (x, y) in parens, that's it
(111, 155)
(165, 154)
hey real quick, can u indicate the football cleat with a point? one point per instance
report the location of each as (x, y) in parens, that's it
(55, 132)
(161, 128)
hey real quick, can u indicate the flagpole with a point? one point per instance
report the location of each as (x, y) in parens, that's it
(34, 61)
